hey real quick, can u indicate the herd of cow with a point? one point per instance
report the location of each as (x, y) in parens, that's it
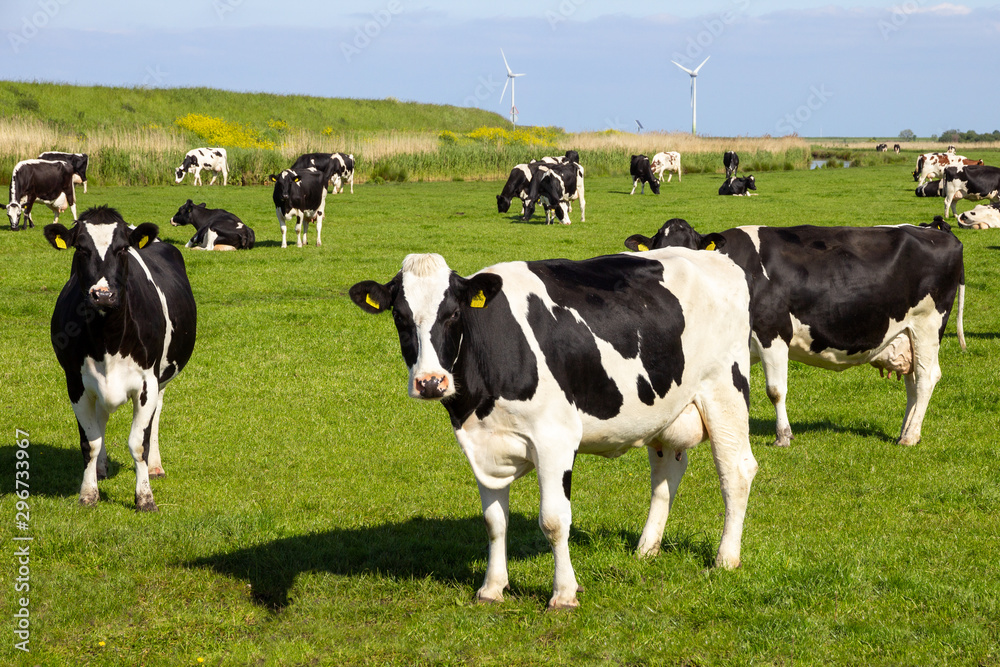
(960, 178)
(538, 361)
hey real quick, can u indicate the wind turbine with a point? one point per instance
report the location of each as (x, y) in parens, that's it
(510, 79)
(694, 91)
(638, 127)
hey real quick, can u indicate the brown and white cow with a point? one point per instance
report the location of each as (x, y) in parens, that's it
(668, 161)
(932, 165)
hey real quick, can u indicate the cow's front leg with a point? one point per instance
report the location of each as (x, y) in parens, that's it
(319, 228)
(555, 475)
(284, 229)
(496, 513)
(91, 421)
(153, 462)
(139, 444)
(775, 362)
(302, 230)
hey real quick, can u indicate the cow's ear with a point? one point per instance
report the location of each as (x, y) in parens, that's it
(712, 242)
(638, 243)
(143, 235)
(481, 288)
(274, 179)
(60, 237)
(189, 203)
(373, 297)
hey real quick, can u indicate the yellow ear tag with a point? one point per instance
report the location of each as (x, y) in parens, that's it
(643, 247)
(478, 301)
(143, 241)
(710, 246)
(60, 243)
(372, 302)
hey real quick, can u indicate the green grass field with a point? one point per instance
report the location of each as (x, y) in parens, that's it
(313, 514)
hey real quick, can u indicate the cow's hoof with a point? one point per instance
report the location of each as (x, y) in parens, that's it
(157, 472)
(89, 499)
(145, 504)
(558, 605)
(907, 442)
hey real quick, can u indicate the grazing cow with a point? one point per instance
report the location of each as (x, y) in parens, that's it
(984, 216)
(212, 159)
(738, 186)
(518, 185)
(557, 185)
(536, 362)
(641, 173)
(819, 296)
(343, 171)
(123, 327)
(970, 182)
(952, 148)
(895, 148)
(302, 193)
(882, 148)
(217, 229)
(929, 189)
(668, 161)
(78, 161)
(932, 165)
(322, 162)
(47, 181)
(731, 161)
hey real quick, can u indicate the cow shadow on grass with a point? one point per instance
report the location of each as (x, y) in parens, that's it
(267, 244)
(447, 550)
(765, 428)
(52, 471)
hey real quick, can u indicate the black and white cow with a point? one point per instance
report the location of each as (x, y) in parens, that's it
(300, 193)
(930, 189)
(984, 216)
(212, 159)
(343, 171)
(217, 229)
(882, 148)
(557, 185)
(738, 186)
(78, 161)
(123, 327)
(972, 182)
(518, 185)
(643, 173)
(664, 162)
(47, 181)
(731, 161)
(819, 296)
(896, 148)
(536, 362)
(336, 168)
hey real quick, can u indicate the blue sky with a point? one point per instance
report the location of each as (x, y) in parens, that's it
(857, 68)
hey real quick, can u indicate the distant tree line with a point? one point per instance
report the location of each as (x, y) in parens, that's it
(969, 136)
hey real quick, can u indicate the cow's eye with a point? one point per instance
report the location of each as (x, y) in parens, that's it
(454, 316)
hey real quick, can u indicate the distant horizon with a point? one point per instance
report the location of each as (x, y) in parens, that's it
(777, 67)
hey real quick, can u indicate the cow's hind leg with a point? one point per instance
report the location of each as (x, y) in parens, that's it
(153, 463)
(92, 421)
(920, 383)
(555, 474)
(775, 362)
(496, 513)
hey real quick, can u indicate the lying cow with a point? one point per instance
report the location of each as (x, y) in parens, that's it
(932, 165)
(642, 173)
(929, 189)
(536, 362)
(78, 161)
(819, 296)
(123, 327)
(731, 161)
(557, 185)
(882, 148)
(47, 181)
(217, 229)
(300, 193)
(212, 159)
(666, 161)
(973, 182)
(984, 216)
(518, 185)
(738, 186)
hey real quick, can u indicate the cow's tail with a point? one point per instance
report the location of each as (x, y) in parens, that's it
(959, 324)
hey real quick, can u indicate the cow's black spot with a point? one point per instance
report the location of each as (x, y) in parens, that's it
(645, 391)
(142, 396)
(741, 383)
(567, 482)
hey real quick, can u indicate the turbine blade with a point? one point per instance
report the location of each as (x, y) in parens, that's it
(513, 75)
(695, 73)
(504, 89)
(505, 63)
(683, 68)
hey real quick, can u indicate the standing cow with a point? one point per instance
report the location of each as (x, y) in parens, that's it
(972, 182)
(123, 327)
(216, 229)
(731, 161)
(335, 167)
(642, 173)
(300, 193)
(536, 362)
(47, 181)
(518, 185)
(819, 296)
(212, 159)
(666, 161)
(557, 185)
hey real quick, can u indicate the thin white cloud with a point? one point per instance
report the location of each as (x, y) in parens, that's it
(944, 9)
